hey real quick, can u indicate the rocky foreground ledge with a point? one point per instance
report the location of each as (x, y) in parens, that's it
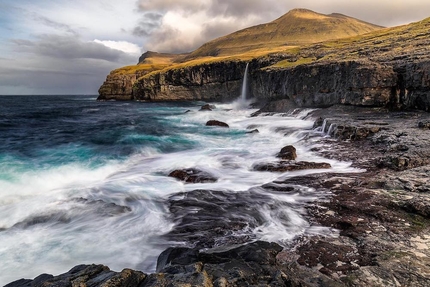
(382, 216)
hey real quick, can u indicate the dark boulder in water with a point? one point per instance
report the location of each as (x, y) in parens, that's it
(254, 131)
(288, 153)
(217, 123)
(81, 207)
(284, 166)
(207, 107)
(192, 175)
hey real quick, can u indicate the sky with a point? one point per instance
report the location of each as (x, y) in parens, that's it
(69, 46)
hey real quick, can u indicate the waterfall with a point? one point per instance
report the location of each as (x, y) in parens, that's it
(331, 129)
(244, 84)
(324, 125)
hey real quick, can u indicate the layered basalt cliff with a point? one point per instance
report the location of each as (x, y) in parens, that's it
(323, 84)
(219, 81)
(350, 82)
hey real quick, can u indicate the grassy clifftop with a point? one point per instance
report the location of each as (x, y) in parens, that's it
(297, 27)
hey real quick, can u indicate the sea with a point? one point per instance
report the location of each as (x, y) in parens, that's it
(84, 181)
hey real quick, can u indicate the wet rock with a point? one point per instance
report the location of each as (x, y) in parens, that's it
(208, 218)
(176, 256)
(413, 180)
(80, 206)
(254, 131)
(192, 175)
(333, 257)
(288, 153)
(207, 107)
(86, 275)
(217, 123)
(253, 264)
(280, 106)
(284, 166)
(424, 125)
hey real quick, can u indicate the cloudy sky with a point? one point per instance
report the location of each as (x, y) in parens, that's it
(69, 46)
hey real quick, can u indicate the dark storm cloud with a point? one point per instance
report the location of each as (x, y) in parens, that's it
(58, 64)
(149, 22)
(68, 47)
(46, 75)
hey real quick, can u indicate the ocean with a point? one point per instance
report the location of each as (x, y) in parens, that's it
(86, 182)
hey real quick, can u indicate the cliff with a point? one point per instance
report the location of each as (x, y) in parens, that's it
(389, 67)
(297, 27)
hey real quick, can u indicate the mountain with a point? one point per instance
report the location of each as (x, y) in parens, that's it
(297, 27)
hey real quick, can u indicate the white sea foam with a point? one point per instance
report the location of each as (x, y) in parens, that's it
(132, 239)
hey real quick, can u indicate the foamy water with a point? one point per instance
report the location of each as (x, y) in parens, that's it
(111, 208)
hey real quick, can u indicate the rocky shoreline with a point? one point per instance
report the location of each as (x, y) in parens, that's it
(381, 219)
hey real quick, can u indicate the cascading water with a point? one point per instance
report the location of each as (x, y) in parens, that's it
(244, 84)
(241, 102)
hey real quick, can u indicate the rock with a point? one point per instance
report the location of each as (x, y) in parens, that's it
(217, 123)
(424, 125)
(86, 275)
(254, 131)
(284, 166)
(207, 107)
(175, 256)
(253, 264)
(192, 175)
(207, 218)
(288, 153)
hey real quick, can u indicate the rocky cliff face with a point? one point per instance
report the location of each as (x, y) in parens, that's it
(354, 82)
(118, 87)
(350, 82)
(220, 81)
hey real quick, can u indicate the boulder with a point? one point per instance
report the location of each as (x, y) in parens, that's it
(192, 175)
(207, 107)
(288, 153)
(86, 275)
(254, 131)
(424, 125)
(217, 123)
(284, 166)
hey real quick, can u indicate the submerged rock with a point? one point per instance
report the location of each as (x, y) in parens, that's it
(254, 131)
(288, 153)
(192, 175)
(217, 123)
(284, 166)
(207, 107)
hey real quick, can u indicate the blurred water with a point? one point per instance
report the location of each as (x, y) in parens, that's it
(86, 182)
